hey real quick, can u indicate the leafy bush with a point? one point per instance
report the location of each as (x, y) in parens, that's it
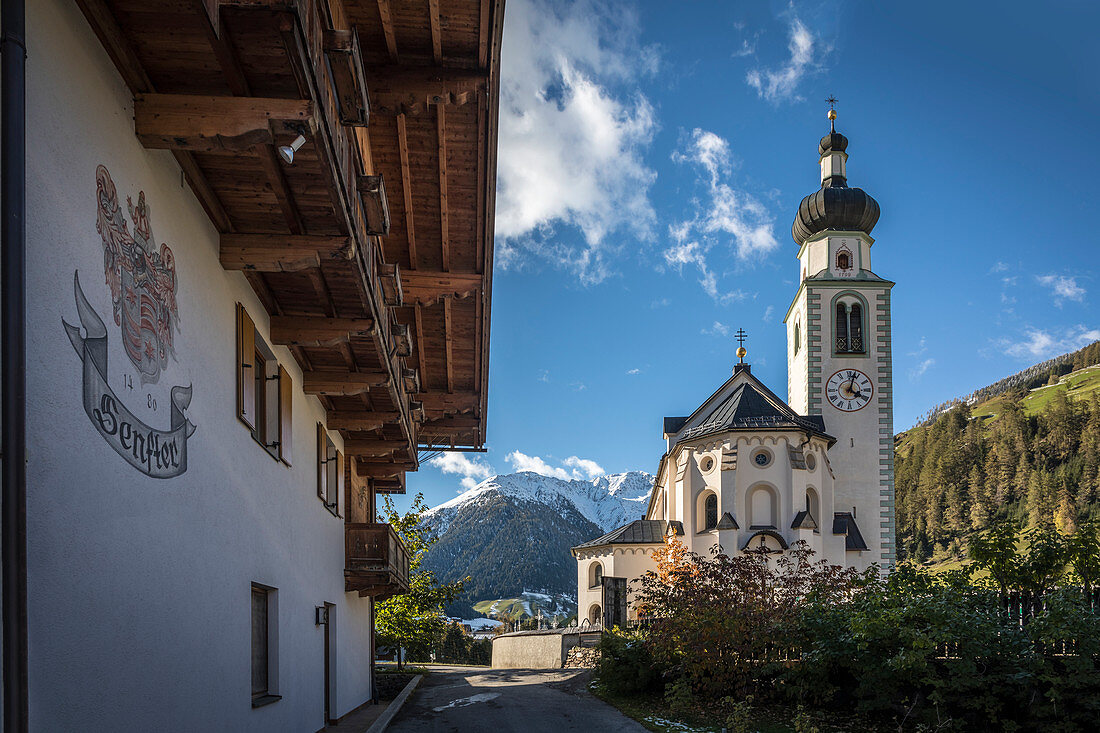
(626, 666)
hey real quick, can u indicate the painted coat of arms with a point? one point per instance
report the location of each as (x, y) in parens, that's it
(142, 280)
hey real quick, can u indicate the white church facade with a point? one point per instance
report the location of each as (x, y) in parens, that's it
(747, 470)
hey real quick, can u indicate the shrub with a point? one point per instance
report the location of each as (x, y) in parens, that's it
(626, 666)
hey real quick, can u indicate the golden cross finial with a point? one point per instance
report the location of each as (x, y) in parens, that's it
(832, 112)
(741, 350)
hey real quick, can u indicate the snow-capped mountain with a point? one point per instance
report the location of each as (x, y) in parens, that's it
(513, 532)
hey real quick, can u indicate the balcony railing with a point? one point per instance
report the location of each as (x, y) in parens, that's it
(376, 562)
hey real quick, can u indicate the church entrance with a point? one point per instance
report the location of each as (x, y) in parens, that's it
(614, 602)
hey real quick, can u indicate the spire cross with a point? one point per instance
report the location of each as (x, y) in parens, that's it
(740, 336)
(831, 101)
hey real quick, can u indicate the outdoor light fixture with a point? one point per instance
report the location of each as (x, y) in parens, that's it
(320, 615)
(286, 152)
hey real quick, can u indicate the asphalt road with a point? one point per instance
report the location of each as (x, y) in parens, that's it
(473, 700)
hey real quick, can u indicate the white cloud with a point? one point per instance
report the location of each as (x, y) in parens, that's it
(544, 375)
(590, 469)
(1063, 288)
(1040, 344)
(918, 371)
(573, 128)
(724, 216)
(718, 329)
(999, 267)
(768, 312)
(472, 471)
(781, 83)
(571, 468)
(635, 370)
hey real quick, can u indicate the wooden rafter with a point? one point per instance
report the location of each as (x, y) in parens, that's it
(424, 288)
(368, 469)
(332, 382)
(373, 448)
(386, 17)
(437, 40)
(448, 334)
(413, 89)
(206, 123)
(269, 159)
(281, 252)
(438, 404)
(444, 226)
(317, 331)
(361, 420)
(420, 339)
(406, 187)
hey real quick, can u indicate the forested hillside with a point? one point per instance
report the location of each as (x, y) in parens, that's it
(1027, 449)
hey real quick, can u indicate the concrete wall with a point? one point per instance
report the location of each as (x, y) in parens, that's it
(139, 587)
(532, 649)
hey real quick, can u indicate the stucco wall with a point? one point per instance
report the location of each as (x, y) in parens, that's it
(139, 588)
(532, 650)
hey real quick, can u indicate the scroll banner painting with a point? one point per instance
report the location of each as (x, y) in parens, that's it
(142, 280)
(156, 453)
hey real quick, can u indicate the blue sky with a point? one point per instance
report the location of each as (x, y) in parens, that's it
(652, 156)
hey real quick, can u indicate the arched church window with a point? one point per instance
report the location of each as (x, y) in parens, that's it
(797, 336)
(849, 328)
(843, 261)
(813, 504)
(710, 512)
(597, 574)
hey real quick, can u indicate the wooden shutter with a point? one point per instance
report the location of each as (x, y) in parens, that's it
(246, 368)
(286, 422)
(339, 488)
(322, 454)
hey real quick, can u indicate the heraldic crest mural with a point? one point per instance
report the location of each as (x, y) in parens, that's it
(142, 281)
(142, 278)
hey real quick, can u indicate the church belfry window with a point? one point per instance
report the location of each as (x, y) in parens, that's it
(849, 328)
(843, 261)
(797, 336)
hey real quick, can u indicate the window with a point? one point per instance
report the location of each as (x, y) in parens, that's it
(710, 512)
(263, 646)
(264, 390)
(596, 575)
(762, 458)
(797, 336)
(811, 462)
(849, 328)
(330, 471)
(813, 506)
(706, 464)
(843, 260)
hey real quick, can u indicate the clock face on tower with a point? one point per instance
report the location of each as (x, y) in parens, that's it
(849, 390)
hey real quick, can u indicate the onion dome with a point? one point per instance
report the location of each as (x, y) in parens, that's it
(834, 206)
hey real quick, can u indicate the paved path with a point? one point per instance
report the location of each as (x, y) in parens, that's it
(471, 700)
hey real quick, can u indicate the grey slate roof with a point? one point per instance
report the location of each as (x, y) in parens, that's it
(753, 406)
(844, 523)
(638, 532)
(804, 520)
(673, 424)
(727, 522)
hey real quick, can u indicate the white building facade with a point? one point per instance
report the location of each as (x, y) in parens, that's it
(747, 470)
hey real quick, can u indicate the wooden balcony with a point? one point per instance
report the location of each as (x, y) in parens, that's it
(376, 561)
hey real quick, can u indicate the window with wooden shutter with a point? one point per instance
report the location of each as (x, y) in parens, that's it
(286, 422)
(338, 487)
(246, 368)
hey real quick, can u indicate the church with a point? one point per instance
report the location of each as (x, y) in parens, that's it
(747, 470)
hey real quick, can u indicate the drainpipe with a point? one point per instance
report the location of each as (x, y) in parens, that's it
(13, 391)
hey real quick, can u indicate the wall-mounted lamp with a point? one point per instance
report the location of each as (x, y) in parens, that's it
(321, 615)
(286, 152)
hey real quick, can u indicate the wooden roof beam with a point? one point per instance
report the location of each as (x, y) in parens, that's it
(444, 227)
(374, 448)
(449, 338)
(269, 160)
(406, 187)
(411, 89)
(367, 469)
(317, 331)
(361, 420)
(437, 40)
(439, 404)
(332, 382)
(386, 17)
(425, 288)
(206, 124)
(281, 252)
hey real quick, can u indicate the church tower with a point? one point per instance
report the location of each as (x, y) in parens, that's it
(839, 344)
